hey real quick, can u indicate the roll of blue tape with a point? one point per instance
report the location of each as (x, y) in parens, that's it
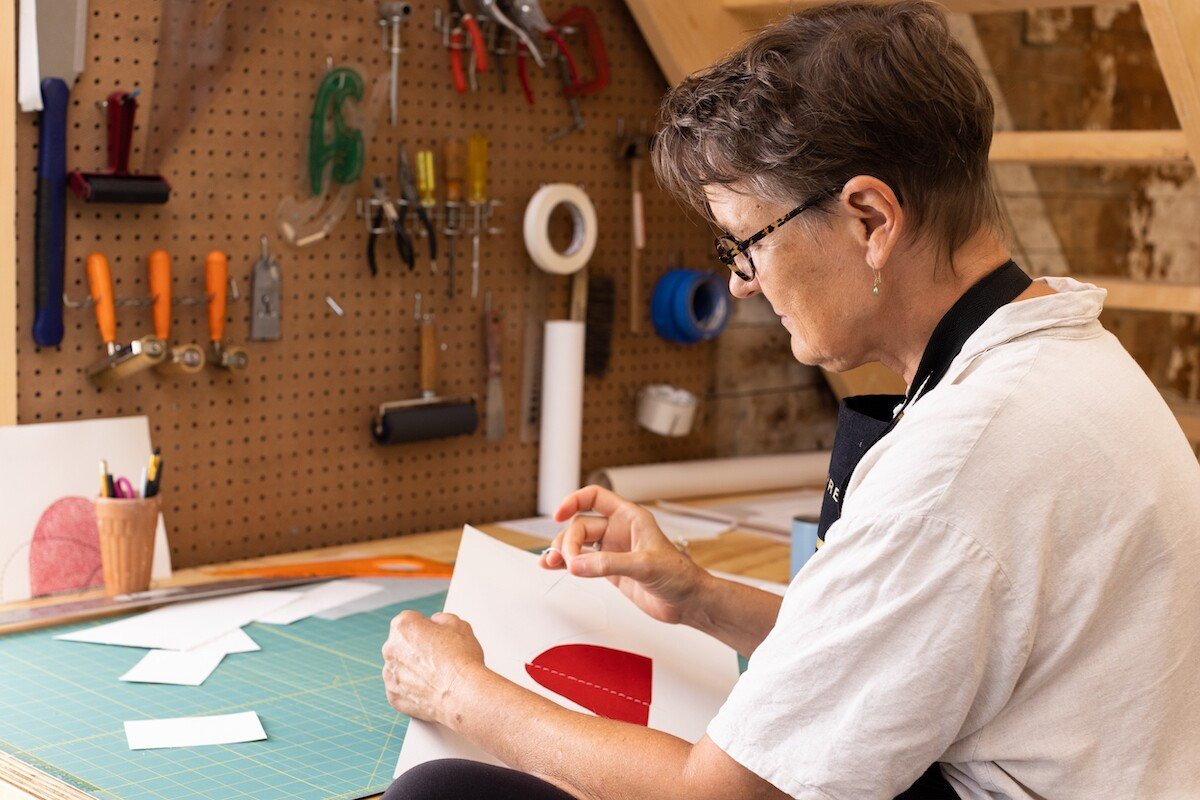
(689, 305)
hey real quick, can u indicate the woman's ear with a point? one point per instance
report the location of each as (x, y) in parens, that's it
(878, 219)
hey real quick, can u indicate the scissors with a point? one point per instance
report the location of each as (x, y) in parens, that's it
(124, 489)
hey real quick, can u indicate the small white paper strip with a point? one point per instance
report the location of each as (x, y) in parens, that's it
(181, 668)
(148, 734)
(29, 92)
(184, 626)
(326, 596)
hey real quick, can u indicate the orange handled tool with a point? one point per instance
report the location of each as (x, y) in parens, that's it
(160, 291)
(378, 567)
(216, 283)
(101, 288)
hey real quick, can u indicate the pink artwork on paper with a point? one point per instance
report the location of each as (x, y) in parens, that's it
(65, 551)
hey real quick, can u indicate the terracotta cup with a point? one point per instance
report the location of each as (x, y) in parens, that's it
(127, 529)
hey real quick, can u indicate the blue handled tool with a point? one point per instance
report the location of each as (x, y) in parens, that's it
(50, 243)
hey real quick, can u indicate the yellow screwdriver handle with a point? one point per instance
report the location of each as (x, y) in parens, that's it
(477, 169)
(426, 178)
(160, 290)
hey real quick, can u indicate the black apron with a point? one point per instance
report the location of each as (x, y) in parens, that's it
(865, 419)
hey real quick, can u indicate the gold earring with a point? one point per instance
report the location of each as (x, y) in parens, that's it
(875, 288)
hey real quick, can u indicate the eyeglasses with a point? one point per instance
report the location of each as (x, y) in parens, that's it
(736, 255)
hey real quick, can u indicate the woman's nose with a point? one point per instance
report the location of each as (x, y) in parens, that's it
(742, 289)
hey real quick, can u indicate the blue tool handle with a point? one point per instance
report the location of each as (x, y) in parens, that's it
(50, 241)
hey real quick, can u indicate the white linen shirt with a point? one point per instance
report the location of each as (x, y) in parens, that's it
(1013, 589)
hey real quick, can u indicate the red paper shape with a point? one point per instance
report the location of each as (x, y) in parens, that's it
(611, 683)
(65, 551)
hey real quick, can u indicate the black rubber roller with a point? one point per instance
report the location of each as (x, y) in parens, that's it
(415, 421)
(95, 187)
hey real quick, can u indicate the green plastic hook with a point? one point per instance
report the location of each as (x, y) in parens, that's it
(346, 150)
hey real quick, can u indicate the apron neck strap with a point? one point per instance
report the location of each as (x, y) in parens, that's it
(995, 290)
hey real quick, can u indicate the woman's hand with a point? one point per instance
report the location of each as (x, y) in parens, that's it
(631, 552)
(424, 660)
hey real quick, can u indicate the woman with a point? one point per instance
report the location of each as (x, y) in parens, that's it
(1005, 604)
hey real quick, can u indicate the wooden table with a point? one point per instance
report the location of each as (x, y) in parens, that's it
(738, 552)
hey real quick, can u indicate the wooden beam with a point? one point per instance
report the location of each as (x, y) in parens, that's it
(686, 35)
(767, 9)
(1090, 147)
(8, 216)
(1174, 27)
(1132, 295)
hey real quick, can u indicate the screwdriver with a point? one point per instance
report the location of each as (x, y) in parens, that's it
(454, 158)
(477, 169)
(427, 189)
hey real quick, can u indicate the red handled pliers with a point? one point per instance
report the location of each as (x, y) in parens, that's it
(461, 19)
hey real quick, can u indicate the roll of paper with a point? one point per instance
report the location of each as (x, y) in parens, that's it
(562, 413)
(717, 476)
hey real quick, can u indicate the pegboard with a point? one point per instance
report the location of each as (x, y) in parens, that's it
(280, 457)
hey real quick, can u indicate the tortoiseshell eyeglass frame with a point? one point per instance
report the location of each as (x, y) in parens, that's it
(729, 248)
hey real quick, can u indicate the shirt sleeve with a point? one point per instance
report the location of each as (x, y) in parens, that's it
(898, 637)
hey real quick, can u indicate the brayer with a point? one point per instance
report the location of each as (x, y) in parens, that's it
(118, 184)
(429, 416)
(216, 282)
(181, 358)
(121, 361)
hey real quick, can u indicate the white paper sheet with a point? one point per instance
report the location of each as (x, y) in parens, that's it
(237, 641)
(391, 590)
(184, 626)
(519, 610)
(677, 527)
(189, 667)
(147, 734)
(29, 92)
(48, 540)
(313, 601)
(180, 668)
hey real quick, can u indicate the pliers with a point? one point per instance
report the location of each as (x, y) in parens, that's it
(386, 209)
(459, 20)
(529, 15)
(408, 191)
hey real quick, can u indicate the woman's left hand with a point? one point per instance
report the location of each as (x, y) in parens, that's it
(423, 661)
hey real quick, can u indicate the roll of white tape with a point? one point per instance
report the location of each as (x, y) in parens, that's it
(537, 228)
(666, 410)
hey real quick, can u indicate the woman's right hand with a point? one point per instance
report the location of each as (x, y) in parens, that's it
(630, 550)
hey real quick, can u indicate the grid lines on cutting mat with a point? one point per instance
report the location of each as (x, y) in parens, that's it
(315, 684)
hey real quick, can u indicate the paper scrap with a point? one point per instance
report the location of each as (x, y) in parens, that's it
(326, 596)
(189, 667)
(148, 734)
(236, 641)
(391, 591)
(180, 668)
(184, 626)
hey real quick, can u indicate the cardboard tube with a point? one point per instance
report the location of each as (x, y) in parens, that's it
(717, 476)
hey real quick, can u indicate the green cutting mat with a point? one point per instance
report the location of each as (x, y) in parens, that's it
(315, 685)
